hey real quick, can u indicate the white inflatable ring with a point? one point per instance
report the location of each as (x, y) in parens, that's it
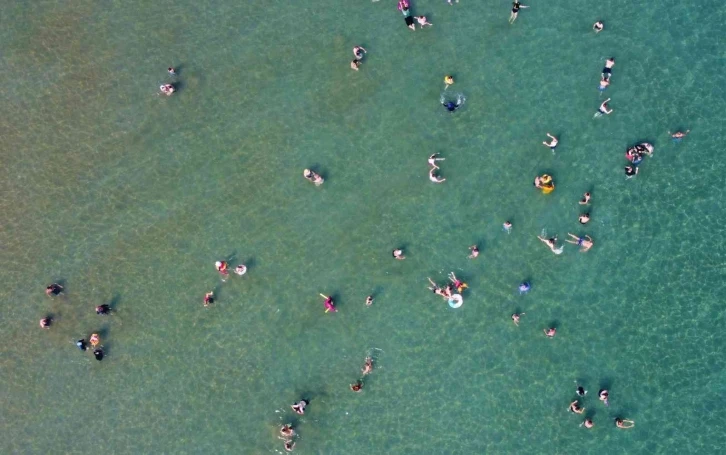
(456, 301)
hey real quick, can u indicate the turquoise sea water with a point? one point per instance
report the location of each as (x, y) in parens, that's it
(128, 198)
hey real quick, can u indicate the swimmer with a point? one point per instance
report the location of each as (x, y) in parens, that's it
(678, 135)
(398, 254)
(221, 267)
(433, 159)
(172, 71)
(603, 84)
(167, 89)
(551, 242)
(448, 292)
(544, 183)
(603, 109)
(452, 106)
(359, 52)
(329, 304)
(436, 289)
(94, 340)
(515, 318)
(507, 227)
(448, 80)
(580, 391)
(474, 252)
(98, 354)
(585, 199)
(313, 177)
(631, 171)
(357, 387)
(435, 178)
(355, 64)
(524, 287)
(369, 300)
(575, 407)
(585, 243)
(422, 21)
(624, 423)
(367, 366)
(450, 2)
(587, 424)
(103, 309)
(458, 284)
(550, 332)
(516, 6)
(81, 344)
(584, 218)
(598, 26)
(53, 290)
(287, 431)
(603, 396)
(208, 298)
(608, 70)
(289, 446)
(240, 269)
(46, 322)
(553, 143)
(408, 19)
(299, 407)
(645, 147)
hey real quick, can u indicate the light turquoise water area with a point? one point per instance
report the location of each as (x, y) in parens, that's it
(128, 198)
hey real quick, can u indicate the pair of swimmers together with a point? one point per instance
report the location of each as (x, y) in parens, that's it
(447, 291)
(585, 243)
(223, 268)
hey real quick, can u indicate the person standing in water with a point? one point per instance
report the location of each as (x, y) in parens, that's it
(575, 407)
(585, 199)
(516, 6)
(53, 290)
(103, 309)
(300, 406)
(603, 396)
(369, 300)
(603, 84)
(287, 431)
(172, 71)
(552, 144)
(507, 227)
(584, 218)
(598, 26)
(515, 318)
(357, 386)
(587, 424)
(550, 332)
(46, 322)
(398, 254)
(208, 298)
(355, 64)
(474, 252)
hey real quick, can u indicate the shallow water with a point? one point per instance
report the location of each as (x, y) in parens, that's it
(129, 197)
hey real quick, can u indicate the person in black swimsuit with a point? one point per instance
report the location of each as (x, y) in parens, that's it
(515, 10)
(608, 70)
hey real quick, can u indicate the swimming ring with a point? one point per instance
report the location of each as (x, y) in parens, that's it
(548, 189)
(456, 300)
